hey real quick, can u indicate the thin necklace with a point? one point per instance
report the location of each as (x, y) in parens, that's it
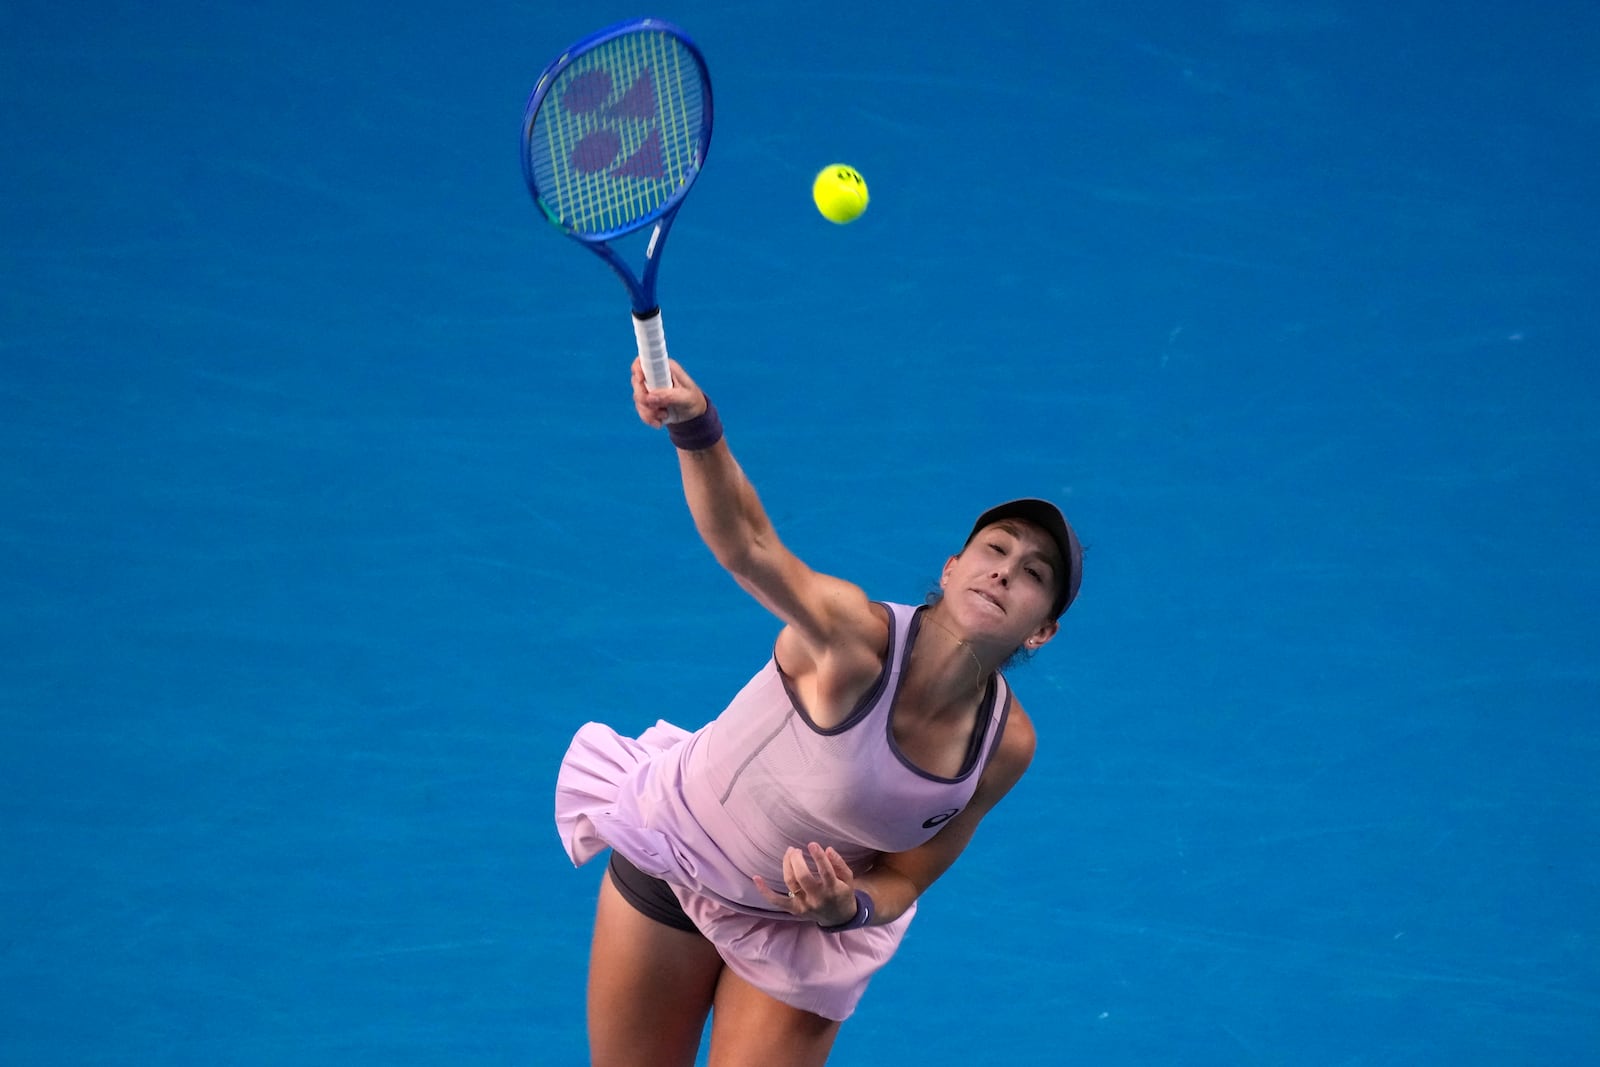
(977, 664)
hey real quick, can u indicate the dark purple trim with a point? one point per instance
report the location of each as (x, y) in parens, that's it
(980, 732)
(1000, 727)
(861, 709)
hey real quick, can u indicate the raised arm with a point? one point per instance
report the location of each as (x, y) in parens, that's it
(830, 622)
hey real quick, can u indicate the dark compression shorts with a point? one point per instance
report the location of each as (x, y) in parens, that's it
(651, 897)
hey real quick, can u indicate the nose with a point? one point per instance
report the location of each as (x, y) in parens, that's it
(1002, 577)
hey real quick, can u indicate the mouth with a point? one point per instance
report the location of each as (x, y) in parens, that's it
(986, 598)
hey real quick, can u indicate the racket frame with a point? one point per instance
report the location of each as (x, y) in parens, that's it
(641, 287)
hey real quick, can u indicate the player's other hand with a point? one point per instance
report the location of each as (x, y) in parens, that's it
(818, 885)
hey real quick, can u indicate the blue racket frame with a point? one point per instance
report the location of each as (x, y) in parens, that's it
(641, 287)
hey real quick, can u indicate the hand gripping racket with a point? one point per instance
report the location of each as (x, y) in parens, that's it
(615, 134)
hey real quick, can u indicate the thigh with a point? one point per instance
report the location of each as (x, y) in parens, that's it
(650, 987)
(751, 1027)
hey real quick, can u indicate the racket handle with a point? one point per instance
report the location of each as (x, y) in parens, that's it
(652, 348)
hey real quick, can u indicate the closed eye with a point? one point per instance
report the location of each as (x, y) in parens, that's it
(1033, 572)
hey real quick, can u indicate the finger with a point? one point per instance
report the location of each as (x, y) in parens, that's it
(678, 390)
(777, 900)
(683, 390)
(811, 860)
(826, 876)
(680, 377)
(648, 415)
(841, 869)
(794, 869)
(805, 881)
(642, 393)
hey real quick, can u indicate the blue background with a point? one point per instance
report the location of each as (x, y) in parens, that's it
(326, 518)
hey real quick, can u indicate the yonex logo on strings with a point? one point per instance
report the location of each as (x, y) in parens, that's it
(593, 94)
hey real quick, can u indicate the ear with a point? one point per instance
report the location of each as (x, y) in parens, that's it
(1041, 637)
(944, 575)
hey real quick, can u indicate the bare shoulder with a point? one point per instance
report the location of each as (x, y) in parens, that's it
(832, 667)
(1012, 755)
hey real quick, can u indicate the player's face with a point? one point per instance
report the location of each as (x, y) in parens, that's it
(1004, 582)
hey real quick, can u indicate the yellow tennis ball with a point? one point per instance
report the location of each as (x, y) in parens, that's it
(840, 193)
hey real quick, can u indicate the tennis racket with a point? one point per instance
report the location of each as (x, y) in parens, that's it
(615, 134)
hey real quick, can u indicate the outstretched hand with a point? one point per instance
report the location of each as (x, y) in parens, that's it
(680, 401)
(824, 893)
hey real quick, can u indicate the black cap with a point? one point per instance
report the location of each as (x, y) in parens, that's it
(1048, 518)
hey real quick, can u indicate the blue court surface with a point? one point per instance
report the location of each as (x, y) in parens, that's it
(326, 518)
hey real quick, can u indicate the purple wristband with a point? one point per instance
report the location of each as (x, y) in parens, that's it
(862, 917)
(698, 433)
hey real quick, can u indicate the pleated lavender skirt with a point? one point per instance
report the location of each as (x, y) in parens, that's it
(618, 792)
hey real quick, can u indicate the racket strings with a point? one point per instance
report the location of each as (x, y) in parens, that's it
(618, 135)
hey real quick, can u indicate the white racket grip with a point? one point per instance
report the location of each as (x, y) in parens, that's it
(652, 349)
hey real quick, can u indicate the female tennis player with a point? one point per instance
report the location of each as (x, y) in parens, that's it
(765, 866)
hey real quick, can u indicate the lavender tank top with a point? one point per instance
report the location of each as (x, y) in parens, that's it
(762, 777)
